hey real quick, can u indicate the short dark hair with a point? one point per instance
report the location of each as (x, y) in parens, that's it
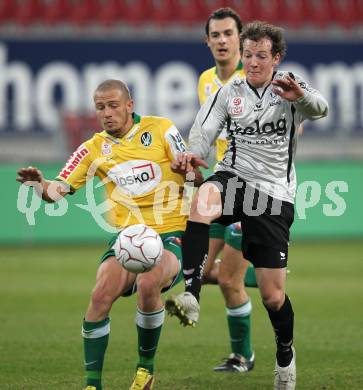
(223, 13)
(114, 84)
(257, 30)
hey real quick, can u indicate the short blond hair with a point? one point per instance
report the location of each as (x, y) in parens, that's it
(114, 84)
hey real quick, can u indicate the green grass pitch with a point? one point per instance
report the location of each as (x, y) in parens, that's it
(44, 292)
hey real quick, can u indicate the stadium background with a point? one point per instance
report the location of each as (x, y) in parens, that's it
(52, 55)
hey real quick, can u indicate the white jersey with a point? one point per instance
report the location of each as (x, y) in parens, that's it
(262, 129)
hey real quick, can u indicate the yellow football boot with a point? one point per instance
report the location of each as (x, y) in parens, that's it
(143, 380)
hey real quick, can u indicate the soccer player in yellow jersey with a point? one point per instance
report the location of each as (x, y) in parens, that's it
(222, 29)
(133, 157)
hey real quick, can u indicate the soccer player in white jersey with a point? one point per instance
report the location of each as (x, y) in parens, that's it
(132, 156)
(223, 29)
(255, 183)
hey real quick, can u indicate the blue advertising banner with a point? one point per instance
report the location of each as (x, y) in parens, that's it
(42, 79)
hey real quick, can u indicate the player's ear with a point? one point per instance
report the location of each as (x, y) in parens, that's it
(207, 40)
(277, 59)
(130, 106)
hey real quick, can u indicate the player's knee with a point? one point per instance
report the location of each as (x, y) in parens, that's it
(274, 301)
(148, 286)
(228, 284)
(196, 214)
(204, 208)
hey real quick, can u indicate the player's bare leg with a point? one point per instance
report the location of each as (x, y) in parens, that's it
(231, 275)
(111, 281)
(150, 316)
(211, 267)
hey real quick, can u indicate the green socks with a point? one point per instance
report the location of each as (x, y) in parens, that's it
(95, 337)
(95, 340)
(148, 330)
(239, 325)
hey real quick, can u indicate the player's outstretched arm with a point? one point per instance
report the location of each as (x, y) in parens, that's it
(308, 101)
(49, 190)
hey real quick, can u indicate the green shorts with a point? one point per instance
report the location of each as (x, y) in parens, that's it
(171, 242)
(216, 230)
(231, 235)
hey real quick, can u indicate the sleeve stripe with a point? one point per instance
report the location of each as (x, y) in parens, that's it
(213, 103)
(292, 134)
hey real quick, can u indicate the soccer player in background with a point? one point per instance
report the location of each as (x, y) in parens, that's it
(114, 155)
(223, 29)
(255, 183)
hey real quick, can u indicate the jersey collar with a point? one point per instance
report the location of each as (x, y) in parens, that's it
(264, 90)
(239, 66)
(136, 118)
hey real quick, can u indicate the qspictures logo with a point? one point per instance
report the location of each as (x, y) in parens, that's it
(142, 176)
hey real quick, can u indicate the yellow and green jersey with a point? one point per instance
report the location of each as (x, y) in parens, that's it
(135, 170)
(209, 83)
